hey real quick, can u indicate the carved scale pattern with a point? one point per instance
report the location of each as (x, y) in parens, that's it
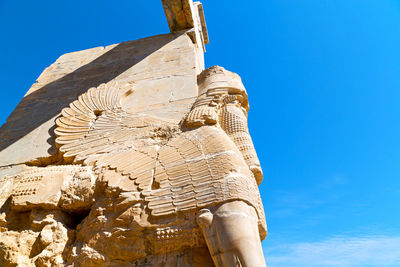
(234, 123)
(194, 169)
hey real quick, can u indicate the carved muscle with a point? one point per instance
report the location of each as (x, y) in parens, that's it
(174, 170)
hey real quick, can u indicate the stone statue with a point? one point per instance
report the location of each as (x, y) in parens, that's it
(205, 168)
(152, 166)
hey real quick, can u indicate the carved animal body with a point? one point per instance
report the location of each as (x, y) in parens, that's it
(134, 189)
(172, 170)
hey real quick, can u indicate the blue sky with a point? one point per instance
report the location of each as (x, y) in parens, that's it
(324, 83)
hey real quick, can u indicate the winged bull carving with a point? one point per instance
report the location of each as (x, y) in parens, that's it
(205, 166)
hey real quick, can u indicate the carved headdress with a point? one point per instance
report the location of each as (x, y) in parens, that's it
(174, 169)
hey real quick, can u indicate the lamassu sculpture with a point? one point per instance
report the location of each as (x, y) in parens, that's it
(133, 155)
(202, 172)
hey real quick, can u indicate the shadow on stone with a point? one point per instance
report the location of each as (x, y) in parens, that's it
(48, 101)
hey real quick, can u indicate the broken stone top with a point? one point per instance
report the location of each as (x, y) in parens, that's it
(187, 15)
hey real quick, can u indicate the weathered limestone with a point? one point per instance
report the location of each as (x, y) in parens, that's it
(67, 187)
(133, 155)
(187, 15)
(162, 69)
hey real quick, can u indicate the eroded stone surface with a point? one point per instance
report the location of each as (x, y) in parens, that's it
(132, 155)
(161, 70)
(131, 186)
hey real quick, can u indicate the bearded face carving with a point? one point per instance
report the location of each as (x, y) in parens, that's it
(160, 187)
(226, 107)
(223, 103)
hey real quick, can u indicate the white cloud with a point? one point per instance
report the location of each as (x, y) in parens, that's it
(340, 251)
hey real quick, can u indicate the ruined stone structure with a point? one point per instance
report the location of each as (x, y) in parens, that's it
(133, 155)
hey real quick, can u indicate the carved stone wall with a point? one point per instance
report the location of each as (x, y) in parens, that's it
(132, 155)
(161, 70)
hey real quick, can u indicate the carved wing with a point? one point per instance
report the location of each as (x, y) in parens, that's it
(95, 130)
(197, 169)
(193, 169)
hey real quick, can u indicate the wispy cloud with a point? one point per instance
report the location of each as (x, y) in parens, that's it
(321, 193)
(289, 203)
(333, 182)
(344, 251)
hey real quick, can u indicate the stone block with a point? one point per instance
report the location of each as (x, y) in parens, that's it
(161, 71)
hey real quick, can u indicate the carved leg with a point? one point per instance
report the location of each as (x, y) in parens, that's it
(232, 237)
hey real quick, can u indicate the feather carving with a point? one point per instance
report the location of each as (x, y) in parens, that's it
(186, 170)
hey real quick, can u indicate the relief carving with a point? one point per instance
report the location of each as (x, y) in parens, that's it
(205, 162)
(149, 186)
(46, 187)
